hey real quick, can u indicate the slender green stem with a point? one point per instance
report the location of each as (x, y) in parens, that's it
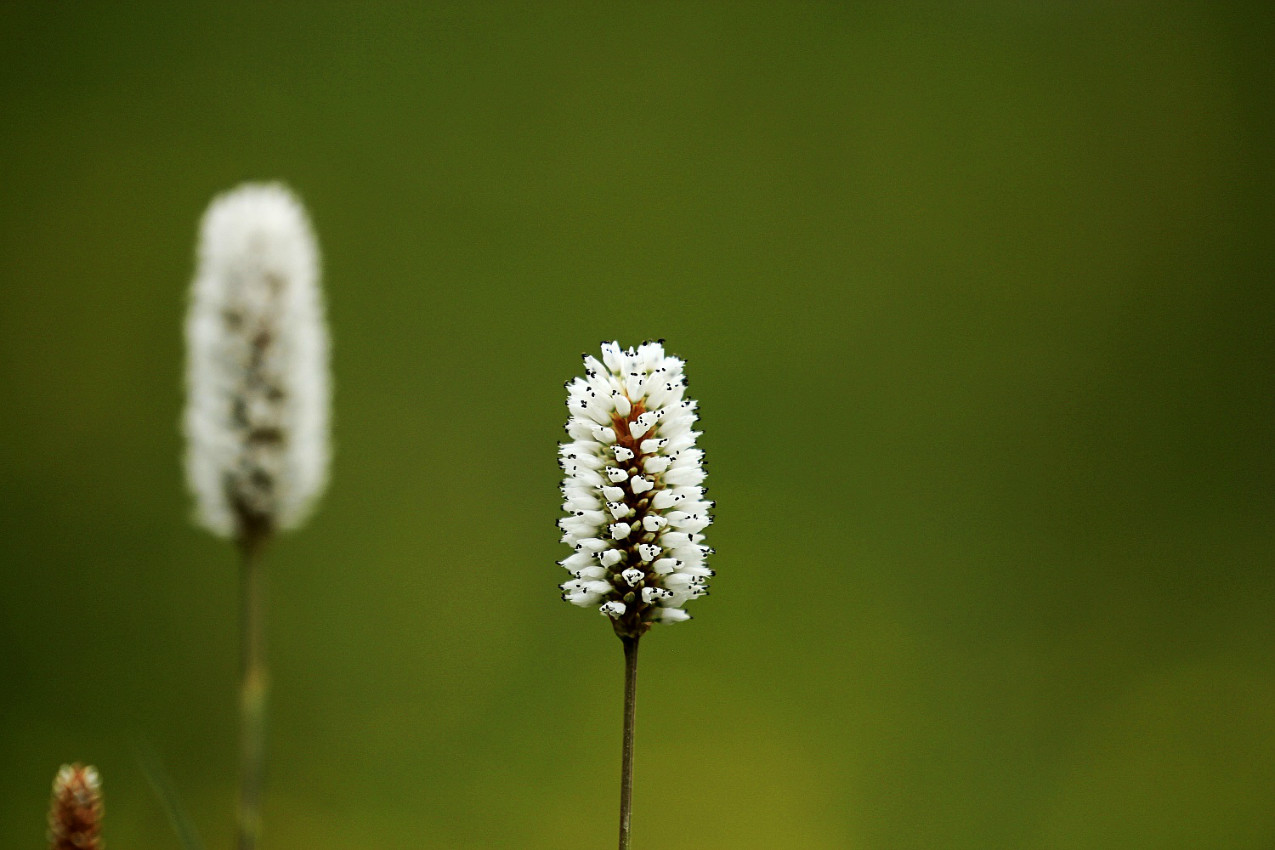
(254, 686)
(630, 716)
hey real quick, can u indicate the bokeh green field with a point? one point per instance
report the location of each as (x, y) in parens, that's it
(978, 302)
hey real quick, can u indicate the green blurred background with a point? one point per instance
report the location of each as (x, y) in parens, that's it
(977, 301)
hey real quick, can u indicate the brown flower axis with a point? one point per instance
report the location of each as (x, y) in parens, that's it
(635, 621)
(75, 810)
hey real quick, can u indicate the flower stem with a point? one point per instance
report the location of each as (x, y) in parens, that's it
(254, 686)
(630, 716)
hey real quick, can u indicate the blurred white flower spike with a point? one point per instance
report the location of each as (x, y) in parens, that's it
(634, 490)
(258, 391)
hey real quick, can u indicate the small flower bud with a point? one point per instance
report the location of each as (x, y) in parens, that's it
(75, 809)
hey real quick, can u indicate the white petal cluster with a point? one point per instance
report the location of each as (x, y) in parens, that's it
(633, 490)
(258, 397)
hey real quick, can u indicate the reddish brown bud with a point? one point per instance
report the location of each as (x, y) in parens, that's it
(75, 811)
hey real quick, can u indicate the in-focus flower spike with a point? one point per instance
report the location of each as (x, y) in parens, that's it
(634, 489)
(75, 809)
(257, 413)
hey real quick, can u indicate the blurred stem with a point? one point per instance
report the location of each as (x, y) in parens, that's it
(626, 759)
(168, 797)
(254, 686)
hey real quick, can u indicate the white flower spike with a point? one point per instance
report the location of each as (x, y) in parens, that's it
(256, 420)
(634, 490)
